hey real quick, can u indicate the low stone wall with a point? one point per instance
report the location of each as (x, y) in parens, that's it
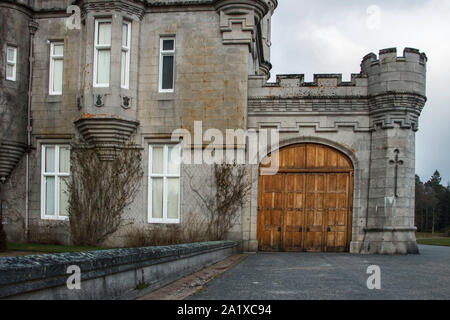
(106, 274)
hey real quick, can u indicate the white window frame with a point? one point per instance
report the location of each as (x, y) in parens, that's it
(54, 57)
(11, 63)
(165, 177)
(57, 175)
(97, 48)
(163, 53)
(126, 69)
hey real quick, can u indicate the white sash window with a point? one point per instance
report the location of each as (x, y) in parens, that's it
(56, 68)
(125, 71)
(102, 52)
(55, 172)
(167, 65)
(11, 63)
(164, 184)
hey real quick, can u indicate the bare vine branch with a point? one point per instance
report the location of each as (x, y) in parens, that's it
(100, 191)
(225, 199)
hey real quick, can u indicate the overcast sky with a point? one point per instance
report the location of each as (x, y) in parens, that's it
(329, 36)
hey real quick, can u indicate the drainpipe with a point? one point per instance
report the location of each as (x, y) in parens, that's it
(32, 26)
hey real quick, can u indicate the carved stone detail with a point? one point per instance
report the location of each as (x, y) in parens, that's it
(99, 100)
(239, 19)
(125, 102)
(237, 29)
(131, 8)
(10, 155)
(105, 133)
(390, 108)
(318, 126)
(300, 105)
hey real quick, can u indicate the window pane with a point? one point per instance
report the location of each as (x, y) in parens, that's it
(125, 35)
(167, 72)
(57, 75)
(124, 69)
(168, 45)
(63, 196)
(104, 33)
(50, 196)
(174, 160)
(11, 54)
(9, 71)
(58, 49)
(103, 63)
(158, 160)
(157, 198)
(64, 159)
(173, 191)
(50, 159)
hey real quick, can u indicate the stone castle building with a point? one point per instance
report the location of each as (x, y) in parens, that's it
(113, 69)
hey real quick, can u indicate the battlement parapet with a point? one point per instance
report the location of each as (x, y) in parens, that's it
(390, 55)
(294, 85)
(319, 80)
(391, 73)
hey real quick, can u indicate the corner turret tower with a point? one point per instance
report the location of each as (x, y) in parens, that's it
(15, 33)
(396, 90)
(249, 22)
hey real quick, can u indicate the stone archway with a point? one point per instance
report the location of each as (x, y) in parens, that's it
(307, 205)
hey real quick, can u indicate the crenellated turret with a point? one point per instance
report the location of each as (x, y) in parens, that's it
(396, 87)
(390, 73)
(396, 96)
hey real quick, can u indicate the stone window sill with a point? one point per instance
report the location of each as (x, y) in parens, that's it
(164, 96)
(54, 98)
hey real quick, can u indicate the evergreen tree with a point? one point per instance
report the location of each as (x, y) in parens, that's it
(432, 205)
(420, 205)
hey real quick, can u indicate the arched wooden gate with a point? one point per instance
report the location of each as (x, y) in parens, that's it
(307, 205)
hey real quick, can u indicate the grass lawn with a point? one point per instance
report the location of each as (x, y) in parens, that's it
(429, 235)
(435, 241)
(48, 248)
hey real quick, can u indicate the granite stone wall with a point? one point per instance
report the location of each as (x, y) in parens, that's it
(107, 274)
(222, 64)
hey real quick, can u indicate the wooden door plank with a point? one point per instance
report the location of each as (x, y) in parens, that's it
(314, 190)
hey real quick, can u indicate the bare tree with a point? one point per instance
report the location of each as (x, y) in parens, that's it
(225, 198)
(192, 229)
(99, 191)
